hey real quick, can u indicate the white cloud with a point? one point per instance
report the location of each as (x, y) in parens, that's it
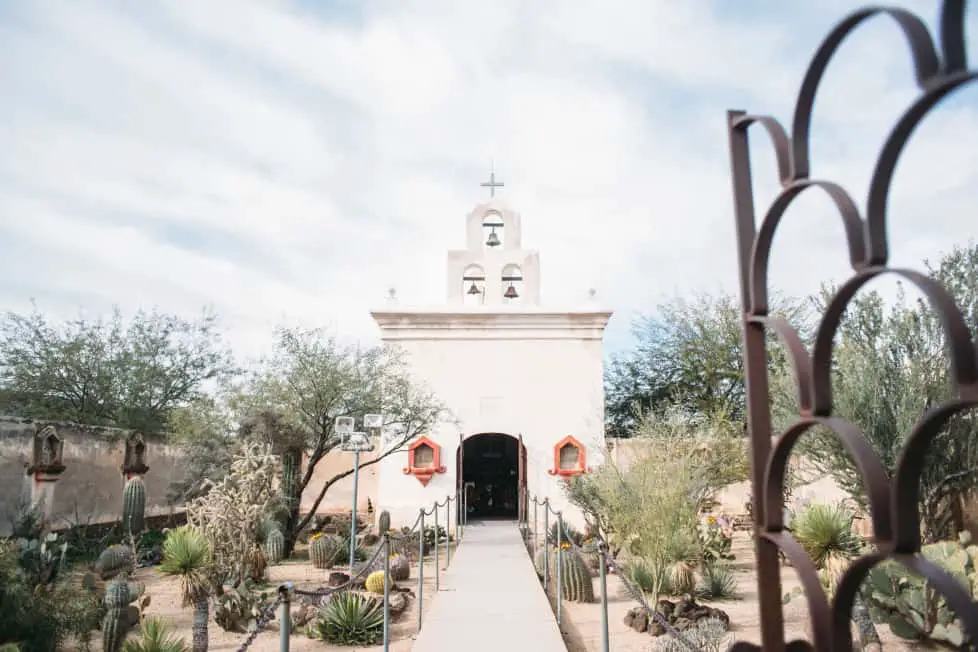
(284, 163)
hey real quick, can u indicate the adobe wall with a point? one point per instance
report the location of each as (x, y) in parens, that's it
(90, 488)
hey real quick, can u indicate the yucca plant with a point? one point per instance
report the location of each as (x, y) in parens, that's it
(187, 555)
(155, 636)
(349, 618)
(823, 530)
(650, 577)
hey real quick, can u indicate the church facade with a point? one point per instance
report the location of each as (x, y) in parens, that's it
(523, 384)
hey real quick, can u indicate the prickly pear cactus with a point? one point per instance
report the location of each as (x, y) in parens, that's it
(375, 582)
(910, 607)
(324, 551)
(134, 505)
(400, 568)
(575, 576)
(274, 546)
(384, 522)
(115, 559)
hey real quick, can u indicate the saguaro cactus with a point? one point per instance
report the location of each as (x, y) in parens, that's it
(134, 505)
(120, 616)
(384, 521)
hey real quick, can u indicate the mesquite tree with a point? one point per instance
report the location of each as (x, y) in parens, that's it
(890, 367)
(308, 381)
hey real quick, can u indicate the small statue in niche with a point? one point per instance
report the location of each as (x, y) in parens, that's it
(48, 448)
(134, 462)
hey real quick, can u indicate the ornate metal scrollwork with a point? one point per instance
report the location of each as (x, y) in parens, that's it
(893, 502)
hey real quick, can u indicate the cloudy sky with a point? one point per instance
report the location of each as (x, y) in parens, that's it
(287, 162)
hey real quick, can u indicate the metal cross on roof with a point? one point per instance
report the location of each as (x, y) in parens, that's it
(492, 184)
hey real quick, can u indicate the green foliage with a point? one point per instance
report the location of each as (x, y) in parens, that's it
(652, 577)
(911, 608)
(717, 581)
(349, 618)
(309, 380)
(238, 607)
(569, 534)
(120, 614)
(823, 530)
(890, 366)
(154, 636)
(715, 536)
(107, 372)
(689, 352)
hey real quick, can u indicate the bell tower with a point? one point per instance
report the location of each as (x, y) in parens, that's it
(493, 270)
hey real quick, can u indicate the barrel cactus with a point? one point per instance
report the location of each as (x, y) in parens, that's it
(134, 505)
(114, 560)
(400, 568)
(120, 615)
(375, 582)
(384, 521)
(575, 576)
(257, 563)
(274, 546)
(325, 551)
(681, 578)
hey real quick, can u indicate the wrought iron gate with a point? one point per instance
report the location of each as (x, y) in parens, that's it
(939, 68)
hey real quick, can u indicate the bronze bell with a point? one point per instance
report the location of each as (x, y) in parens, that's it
(493, 240)
(511, 292)
(473, 289)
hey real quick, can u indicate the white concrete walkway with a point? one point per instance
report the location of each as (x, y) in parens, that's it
(490, 598)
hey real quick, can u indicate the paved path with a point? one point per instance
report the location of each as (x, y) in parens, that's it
(490, 598)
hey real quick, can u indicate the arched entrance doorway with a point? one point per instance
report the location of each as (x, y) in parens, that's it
(493, 470)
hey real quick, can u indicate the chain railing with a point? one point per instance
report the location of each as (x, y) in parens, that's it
(531, 537)
(442, 545)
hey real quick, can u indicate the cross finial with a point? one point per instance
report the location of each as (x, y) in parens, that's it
(492, 184)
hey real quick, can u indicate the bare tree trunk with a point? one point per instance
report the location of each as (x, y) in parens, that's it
(201, 616)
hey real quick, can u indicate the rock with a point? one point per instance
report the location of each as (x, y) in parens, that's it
(684, 614)
(637, 619)
(398, 603)
(302, 615)
(337, 579)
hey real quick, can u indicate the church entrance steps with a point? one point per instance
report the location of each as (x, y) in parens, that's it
(490, 598)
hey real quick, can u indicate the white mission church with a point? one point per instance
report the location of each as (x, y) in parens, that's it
(519, 379)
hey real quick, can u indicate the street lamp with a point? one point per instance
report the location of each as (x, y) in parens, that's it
(356, 442)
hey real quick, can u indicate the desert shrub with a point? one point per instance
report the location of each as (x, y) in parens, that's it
(238, 607)
(717, 581)
(349, 618)
(708, 635)
(651, 509)
(650, 577)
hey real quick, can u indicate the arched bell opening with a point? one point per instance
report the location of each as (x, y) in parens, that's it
(493, 230)
(473, 285)
(512, 284)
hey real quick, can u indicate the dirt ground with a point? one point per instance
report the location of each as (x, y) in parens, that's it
(165, 604)
(582, 622)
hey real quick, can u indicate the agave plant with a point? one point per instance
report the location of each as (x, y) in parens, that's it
(155, 636)
(349, 618)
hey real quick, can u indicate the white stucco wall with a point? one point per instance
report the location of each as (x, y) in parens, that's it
(526, 371)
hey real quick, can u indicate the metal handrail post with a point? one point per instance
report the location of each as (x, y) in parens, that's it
(603, 573)
(421, 570)
(546, 544)
(387, 592)
(559, 557)
(284, 618)
(437, 561)
(448, 529)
